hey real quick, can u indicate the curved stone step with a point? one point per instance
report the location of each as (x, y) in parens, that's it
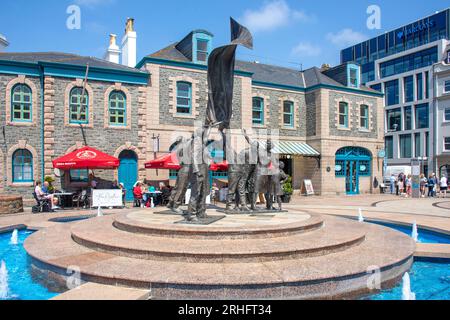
(102, 236)
(237, 226)
(332, 276)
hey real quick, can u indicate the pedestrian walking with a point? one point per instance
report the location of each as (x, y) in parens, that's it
(432, 185)
(393, 181)
(443, 186)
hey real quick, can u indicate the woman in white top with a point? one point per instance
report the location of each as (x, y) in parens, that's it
(444, 186)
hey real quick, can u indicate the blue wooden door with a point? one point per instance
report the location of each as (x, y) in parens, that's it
(352, 178)
(128, 172)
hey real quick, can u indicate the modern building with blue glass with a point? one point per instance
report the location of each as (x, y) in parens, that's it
(400, 63)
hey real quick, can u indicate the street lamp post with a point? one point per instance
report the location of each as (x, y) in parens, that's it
(155, 147)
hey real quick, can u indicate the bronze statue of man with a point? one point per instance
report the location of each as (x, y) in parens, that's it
(276, 185)
(200, 175)
(238, 170)
(183, 150)
(258, 179)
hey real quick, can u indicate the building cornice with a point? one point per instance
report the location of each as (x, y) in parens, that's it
(73, 71)
(189, 65)
(195, 66)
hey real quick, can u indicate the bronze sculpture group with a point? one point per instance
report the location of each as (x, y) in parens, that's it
(252, 171)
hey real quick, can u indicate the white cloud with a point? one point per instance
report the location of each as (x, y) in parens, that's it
(306, 49)
(346, 37)
(273, 15)
(94, 3)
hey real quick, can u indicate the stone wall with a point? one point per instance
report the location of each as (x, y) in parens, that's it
(11, 204)
(16, 135)
(68, 137)
(354, 103)
(167, 97)
(273, 107)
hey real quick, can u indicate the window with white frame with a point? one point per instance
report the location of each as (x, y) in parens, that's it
(447, 86)
(447, 144)
(447, 115)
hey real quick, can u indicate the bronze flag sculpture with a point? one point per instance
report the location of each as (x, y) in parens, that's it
(221, 64)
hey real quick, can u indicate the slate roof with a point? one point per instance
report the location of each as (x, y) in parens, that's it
(65, 58)
(267, 73)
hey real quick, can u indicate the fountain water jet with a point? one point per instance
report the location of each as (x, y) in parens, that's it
(407, 294)
(14, 237)
(360, 218)
(415, 232)
(4, 289)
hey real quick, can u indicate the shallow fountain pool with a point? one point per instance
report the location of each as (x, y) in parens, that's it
(429, 281)
(20, 283)
(425, 236)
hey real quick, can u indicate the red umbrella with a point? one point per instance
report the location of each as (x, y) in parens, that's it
(169, 161)
(223, 166)
(86, 158)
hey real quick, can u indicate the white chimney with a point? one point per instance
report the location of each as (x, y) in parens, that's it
(113, 53)
(129, 45)
(3, 43)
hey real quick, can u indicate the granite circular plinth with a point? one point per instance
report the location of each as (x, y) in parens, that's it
(11, 204)
(286, 256)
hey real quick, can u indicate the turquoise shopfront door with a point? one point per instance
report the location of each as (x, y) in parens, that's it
(352, 163)
(128, 172)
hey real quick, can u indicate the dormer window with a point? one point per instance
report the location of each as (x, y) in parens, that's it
(353, 76)
(202, 50)
(201, 47)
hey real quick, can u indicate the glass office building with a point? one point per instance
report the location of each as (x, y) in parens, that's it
(414, 35)
(399, 63)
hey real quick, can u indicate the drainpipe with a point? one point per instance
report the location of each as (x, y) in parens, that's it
(41, 72)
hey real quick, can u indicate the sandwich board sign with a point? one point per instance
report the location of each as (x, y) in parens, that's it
(106, 198)
(307, 188)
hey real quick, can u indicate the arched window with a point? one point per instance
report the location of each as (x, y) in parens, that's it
(21, 103)
(22, 166)
(184, 97)
(258, 111)
(78, 106)
(117, 109)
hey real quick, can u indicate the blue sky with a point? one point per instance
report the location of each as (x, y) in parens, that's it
(286, 32)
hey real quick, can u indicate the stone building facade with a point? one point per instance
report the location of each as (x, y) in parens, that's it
(30, 144)
(315, 99)
(165, 95)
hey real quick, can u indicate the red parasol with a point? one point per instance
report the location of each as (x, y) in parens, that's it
(223, 166)
(86, 158)
(170, 161)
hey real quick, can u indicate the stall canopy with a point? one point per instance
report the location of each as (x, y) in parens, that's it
(293, 148)
(170, 162)
(86, 158)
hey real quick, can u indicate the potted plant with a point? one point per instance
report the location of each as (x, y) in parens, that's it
(288, 190)
(50, 181)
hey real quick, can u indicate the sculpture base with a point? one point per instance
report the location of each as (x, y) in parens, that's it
(203, 221)
(251, 212)
(294, 255)
(169, 212)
